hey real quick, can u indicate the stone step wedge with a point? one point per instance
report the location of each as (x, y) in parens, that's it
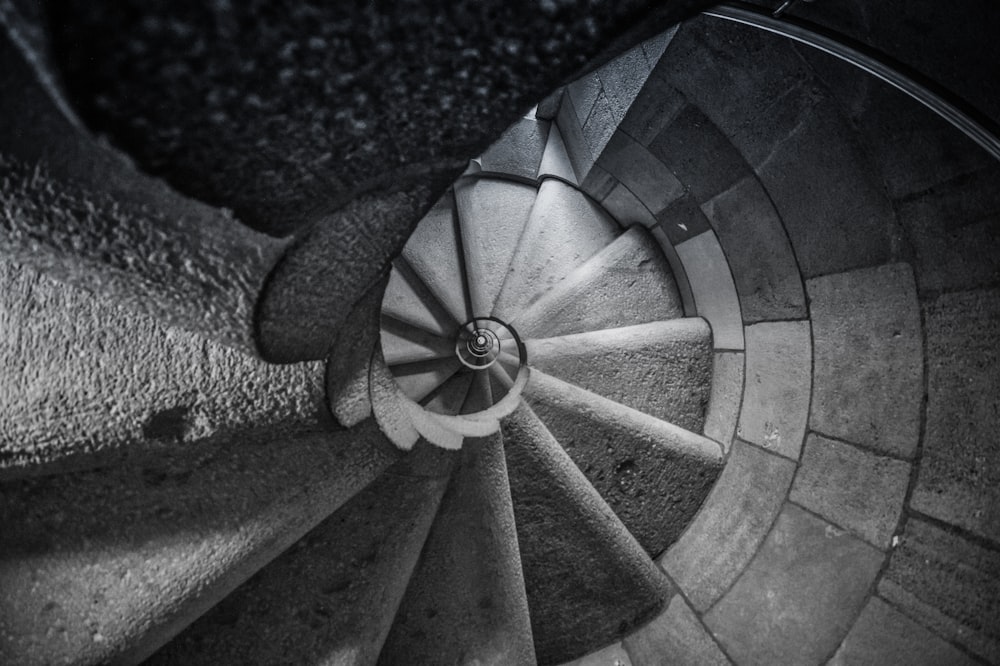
(117, 561)
(663, 368)
(434, 251)
(628, 282)
(588, 581)
(466, 602)
(543, 256)
(332, 596)
(492, 214)
(653, 474)
(407, 299)
(403, 343)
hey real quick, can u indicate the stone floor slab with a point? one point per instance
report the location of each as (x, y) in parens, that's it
(883, 635)
(778, 378)
(627, 208)
(675, 638)
(642, 173)
(868, 378)
(683, 219)
(956, 482)
(731, 525)
(760, 256)
(799, 596)
(727, 394)
(712, 288)
(856, 489)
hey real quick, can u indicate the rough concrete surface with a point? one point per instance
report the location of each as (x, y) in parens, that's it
(959, 480)
(868, 375)
(519, 150)
(466, 600)
(115, 562)
(331, 597)
(798, 598)
(652, 474)
(778, 377)
(735, 518)
(627, 283)
(84, 382)
(663, 369)
(861, 491)
(588, 581)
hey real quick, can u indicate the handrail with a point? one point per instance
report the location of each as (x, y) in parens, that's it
(944, 104)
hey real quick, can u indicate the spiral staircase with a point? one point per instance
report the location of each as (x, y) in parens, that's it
(695, 364)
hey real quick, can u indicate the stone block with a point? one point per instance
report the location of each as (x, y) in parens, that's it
(733, 522)
(600, 125)
(680, 274)
(675, 638)
(683, 219)
(727, 394)
(778, 378)
(830, 198)
(555, 160)
(627, 208)
(949, 583)
(868, 375)
(571, 128)
(518, 151)
(643, 174)
(798, 597)
(712, 289)
(959, 478)
(883, 635)
(583, 95)
(760, 257)
(654, 108)
(622, 79)
(701, 157)
(854, 488)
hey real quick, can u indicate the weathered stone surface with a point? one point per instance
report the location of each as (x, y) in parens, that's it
(629, 282)
(726, 397)
(731, 526)
(627, 208)
(760, 257)
(683, 219)
(79, 211)
(680, 274)
(778, 378)
(663, 369)
(587, 580)
(959, 480)
(564, 229)
(580, 156)
(600, 125)
(466, 600)
(117, 561)
(948, 583)
(652, 474)
(712, 288)
(333, 594)
(955, 231)
(654, 108)
(518, 151)
(84, 382)
(868, 375)
(613, 654)
(642, 173)
(828, 195)
(675, 638)
(861, 491)
(883, 635)
(798, 598)
(555, 160)
(622, 79)
(700, 156)
(492, 213)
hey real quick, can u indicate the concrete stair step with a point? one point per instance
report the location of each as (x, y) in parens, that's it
(492, 213)
(405, 343)
(450, 396)
(543, 257)
(663, 369)
(123, 558)
(350, 358)
(466, 602)
(434, 251)
(588, 581)
(409, 300)
(653, 474)
(628, 282)
(332, 596)
(419, 378)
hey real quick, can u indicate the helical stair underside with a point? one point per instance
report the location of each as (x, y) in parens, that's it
(697, 364)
